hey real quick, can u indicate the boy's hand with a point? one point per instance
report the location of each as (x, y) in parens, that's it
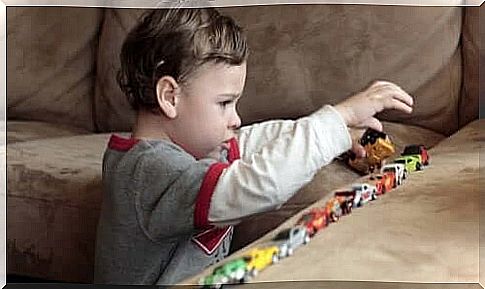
(359, 110)
(357, 148)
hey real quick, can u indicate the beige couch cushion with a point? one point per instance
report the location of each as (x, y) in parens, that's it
(473, 58)
(51, 56)
(113, 112)
(53, 201)
(20, 131)
(304, 56)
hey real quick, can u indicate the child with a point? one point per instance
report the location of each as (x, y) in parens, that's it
(175, 188)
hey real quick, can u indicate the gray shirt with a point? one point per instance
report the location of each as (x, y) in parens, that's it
(146, 232)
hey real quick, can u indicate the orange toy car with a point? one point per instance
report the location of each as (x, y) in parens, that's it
(314, 220)
(333, 209)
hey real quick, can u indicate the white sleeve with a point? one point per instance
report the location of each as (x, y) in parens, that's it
(274, 166)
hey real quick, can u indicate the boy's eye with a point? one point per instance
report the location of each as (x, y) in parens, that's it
(225, 103)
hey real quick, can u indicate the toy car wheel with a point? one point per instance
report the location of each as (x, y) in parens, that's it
(289, 252)
(306, 240)
(246, 278)
(254, 272)
(275, 259)
(418, 166)
(405, 175)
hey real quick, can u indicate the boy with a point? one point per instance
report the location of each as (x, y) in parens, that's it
(175, 188)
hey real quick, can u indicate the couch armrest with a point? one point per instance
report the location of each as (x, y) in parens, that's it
(471, 51)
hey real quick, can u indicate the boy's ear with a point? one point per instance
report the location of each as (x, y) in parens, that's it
(167, 96)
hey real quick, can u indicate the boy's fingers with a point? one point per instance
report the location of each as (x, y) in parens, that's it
(393, 103)
(371, 122)
(358, 150)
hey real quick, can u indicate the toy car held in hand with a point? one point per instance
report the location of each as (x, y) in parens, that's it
(378, 147)
(420, 150)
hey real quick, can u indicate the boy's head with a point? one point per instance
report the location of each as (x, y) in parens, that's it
(189, 66)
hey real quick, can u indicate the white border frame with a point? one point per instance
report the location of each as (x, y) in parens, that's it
(139, 4)
(3, 147)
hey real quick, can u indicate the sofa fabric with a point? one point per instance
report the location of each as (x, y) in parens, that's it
(305, 56)
(425, 230)
(473, 58)
(54, 197)
(50, 72)
(112, 110)
(22, 131)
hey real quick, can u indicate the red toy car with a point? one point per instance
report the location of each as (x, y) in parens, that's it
(417, 150)
(314, 220)
(346, 200)
(384, 182)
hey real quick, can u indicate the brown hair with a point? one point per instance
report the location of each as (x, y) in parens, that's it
(175, 42)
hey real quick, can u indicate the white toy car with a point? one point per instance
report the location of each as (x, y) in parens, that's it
(398, 170)
(290, 239)
(364, 193)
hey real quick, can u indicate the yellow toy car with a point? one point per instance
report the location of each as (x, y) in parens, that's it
(260, 258)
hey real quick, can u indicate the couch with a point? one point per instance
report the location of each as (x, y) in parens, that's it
(63, 103)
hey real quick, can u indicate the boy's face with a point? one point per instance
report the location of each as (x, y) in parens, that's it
(206, 113)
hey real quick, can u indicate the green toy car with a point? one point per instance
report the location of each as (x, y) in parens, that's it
(411, 163)
(233, 271)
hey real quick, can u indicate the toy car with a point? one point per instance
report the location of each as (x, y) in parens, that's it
(260, 258)
(333, 209)
(417, 150)
(346, 200)
(378, 147)
(384, 182)
(290, 239)
(411, 163)
(363, 194)
(233, 271)
(213, 281)
(314, 220)
(399, 171)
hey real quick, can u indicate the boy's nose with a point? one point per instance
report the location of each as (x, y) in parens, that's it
(235, 122)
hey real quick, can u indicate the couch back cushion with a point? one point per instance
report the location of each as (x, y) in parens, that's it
(304, 56)
(51, 55)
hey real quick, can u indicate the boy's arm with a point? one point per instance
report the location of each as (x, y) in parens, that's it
(253, 137)
(268, 175)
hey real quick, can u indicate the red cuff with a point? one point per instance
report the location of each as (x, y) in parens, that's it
(233, 153)
(202, 204)
(121, 144)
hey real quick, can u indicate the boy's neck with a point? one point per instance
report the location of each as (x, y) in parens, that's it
(149, 126)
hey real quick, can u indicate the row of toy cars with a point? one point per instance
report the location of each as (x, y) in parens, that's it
(378, 147)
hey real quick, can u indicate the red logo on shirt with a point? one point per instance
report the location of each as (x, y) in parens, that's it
(210, 239)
